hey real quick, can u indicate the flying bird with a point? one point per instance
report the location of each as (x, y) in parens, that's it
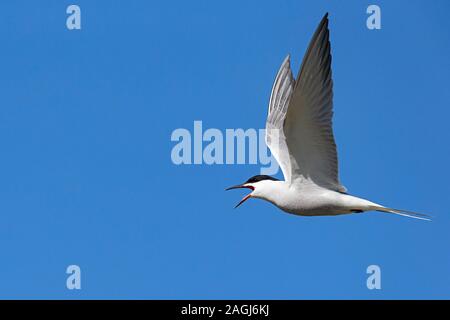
(299, 134)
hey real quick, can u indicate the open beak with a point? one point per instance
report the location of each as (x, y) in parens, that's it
(240, 186)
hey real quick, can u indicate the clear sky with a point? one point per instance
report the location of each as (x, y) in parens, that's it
(86, 175)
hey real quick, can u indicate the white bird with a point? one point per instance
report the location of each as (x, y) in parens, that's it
(300, 136)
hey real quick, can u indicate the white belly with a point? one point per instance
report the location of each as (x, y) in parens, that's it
(321, 202)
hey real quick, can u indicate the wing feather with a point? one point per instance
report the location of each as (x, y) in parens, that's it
(308, 121)
(278, 104)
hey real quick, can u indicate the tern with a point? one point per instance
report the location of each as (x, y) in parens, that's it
(299, 134)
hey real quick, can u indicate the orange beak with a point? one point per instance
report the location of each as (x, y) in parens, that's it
(246, 197)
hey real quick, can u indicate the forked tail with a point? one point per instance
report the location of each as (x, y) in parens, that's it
(404, 213)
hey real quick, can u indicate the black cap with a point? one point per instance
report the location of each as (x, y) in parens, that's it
(260, 178)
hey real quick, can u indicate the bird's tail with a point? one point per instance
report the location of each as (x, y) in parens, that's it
(404, 213)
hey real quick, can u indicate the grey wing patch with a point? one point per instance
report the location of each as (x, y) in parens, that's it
(281, 93)
(278, 104)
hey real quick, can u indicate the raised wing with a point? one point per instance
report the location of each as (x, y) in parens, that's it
(308, 124)
(278, 104)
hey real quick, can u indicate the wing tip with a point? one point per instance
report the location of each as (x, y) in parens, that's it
(323, 23)
(287, 60)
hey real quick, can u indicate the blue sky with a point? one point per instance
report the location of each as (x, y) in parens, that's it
(87, 178)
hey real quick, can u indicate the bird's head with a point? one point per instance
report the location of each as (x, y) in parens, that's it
(260, 186)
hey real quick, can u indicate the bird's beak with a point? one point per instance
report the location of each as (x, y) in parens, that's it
(241, 186)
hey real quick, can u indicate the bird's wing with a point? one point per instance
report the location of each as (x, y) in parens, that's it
(278, 104)
(308, 124)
